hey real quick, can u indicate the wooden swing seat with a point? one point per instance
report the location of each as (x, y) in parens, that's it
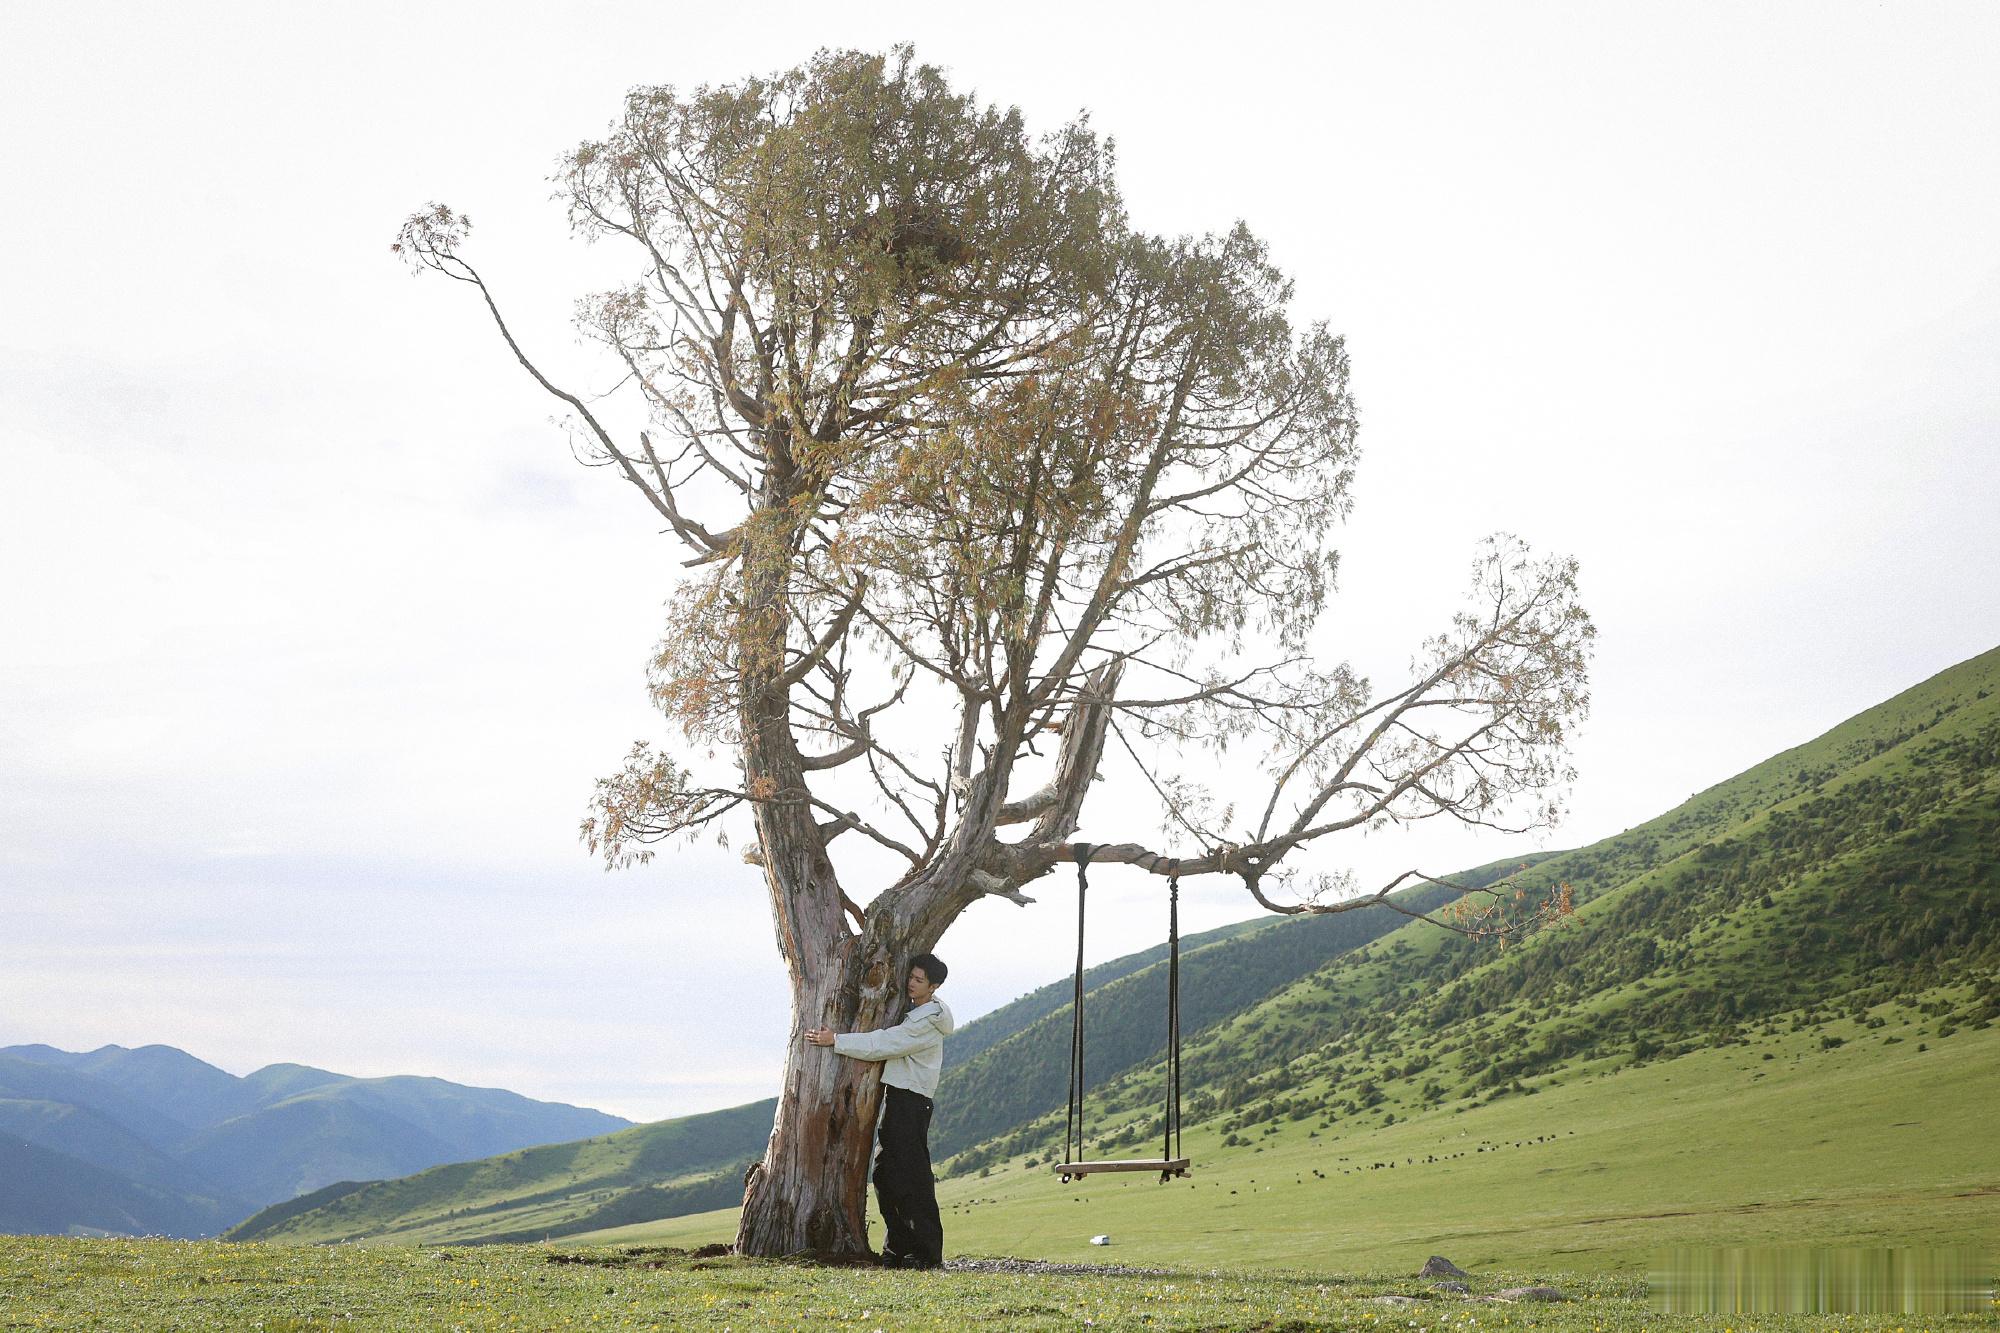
(1173, 1166)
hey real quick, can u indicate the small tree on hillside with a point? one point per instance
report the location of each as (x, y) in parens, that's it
(976, 482)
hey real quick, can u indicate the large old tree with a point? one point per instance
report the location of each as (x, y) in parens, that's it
(981, 489)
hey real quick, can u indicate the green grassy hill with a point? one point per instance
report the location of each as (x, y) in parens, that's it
(676, 1166)
(989, 1030)
(1027, 1072)
(1769, 1018)
(1844, 874)
(1859, 1145)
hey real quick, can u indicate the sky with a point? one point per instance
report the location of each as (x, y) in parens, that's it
(316, 638)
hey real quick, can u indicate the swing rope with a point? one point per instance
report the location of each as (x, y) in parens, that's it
(1171, 1162)
(1170, 1148)
(1074, 1131)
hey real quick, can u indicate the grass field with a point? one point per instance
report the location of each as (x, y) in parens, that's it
(1869, 1142)
(1775, 1141)
(149, 1286)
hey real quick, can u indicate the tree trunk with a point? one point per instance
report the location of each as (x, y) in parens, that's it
(810, 1192)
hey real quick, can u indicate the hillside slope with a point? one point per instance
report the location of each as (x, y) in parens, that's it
(1027, 1073)
(696, 1161)
(1771, 1018)
(1843, 874)
(1861, 1145)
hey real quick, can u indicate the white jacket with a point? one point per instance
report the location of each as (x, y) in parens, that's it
(912, 1052)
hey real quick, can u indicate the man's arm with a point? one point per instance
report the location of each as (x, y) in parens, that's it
(912, 1034)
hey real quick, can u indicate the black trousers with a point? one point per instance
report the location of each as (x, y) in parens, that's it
(904, 1185)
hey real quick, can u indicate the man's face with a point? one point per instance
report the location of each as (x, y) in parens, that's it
(920, 987)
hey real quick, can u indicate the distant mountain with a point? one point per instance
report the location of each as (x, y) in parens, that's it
(274, 1083)
(1830, 894)
(42, 1191)
(24, 1078)
(309, 1141)
(90, 1136)
(169, 1143)
(371, 1129)
(169, 1081)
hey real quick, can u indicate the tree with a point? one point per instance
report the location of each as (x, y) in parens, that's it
(944, 436)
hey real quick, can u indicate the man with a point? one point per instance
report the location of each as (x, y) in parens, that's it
(912, 1053)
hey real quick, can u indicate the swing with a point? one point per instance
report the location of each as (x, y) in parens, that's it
(1170, 1163)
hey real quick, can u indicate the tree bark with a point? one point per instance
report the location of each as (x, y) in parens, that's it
(810, 1192)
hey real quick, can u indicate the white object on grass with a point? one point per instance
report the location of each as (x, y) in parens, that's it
(1100, 1240)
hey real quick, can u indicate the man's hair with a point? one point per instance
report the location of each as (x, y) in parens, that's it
(934, 969)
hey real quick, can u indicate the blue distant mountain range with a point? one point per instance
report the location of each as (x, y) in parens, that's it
(153, 1141)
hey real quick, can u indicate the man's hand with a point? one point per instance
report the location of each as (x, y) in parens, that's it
(819, 1036)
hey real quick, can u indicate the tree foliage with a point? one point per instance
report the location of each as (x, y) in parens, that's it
(946, 436)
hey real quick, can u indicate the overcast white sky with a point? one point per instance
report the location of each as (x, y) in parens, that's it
(315, 638)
